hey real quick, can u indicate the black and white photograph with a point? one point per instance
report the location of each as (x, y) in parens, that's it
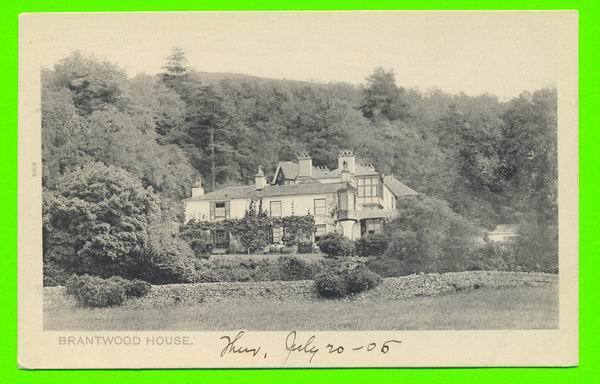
(288, 173)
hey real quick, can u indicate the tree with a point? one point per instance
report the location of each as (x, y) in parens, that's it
(206, 129)
(176, 70)
(94, 84)
(531, 173)
(121, 132)
(427, 236)
(382, 97)
(157, 103)
(95, 221)
(63, 134)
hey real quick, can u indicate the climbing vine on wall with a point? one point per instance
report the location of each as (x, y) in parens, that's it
(253, 230)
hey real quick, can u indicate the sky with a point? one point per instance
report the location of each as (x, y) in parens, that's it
(503, 53)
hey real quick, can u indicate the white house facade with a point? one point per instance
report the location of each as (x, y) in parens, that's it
(353, 199)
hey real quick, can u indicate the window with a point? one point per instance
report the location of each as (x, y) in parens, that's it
(219, 210)
(275, 209)
(320, 230)
(320, 208)
(276, 235)
(374, 227)
(368, 190)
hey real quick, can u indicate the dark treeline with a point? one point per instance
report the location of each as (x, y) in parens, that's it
(492, 161)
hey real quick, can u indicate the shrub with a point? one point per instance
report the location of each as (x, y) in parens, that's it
(371, 245)
(427, 236)
(96, 218)
(305, 247)
(341, 281)
(331, 285)
(293, 268)
(93, 291)
(361, 279)
(137, 288)
(335, 244)
(169, 258)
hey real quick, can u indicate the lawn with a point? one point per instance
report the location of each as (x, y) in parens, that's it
(486, 308)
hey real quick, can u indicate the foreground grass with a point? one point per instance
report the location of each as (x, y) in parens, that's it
(488, 308)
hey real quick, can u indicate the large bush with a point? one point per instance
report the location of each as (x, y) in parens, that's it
(168, 258)
(330, 285)
(371, 245)
(341, 280)
(94, 291)
(335, 244)
(427, 236)
(95, 221)
(361, 279)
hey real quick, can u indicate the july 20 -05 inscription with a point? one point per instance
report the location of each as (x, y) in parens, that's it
(236, 344)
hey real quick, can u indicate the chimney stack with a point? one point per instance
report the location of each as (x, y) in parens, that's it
(304, 165)
(346, 161)
(260, 181)
(197, 189)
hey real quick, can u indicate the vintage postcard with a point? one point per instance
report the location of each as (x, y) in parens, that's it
(298, 189)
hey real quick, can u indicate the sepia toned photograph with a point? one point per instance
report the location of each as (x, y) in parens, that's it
(333, 172)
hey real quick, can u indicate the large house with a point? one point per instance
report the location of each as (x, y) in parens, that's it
(353, 199)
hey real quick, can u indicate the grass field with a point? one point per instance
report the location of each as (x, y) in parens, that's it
(487, 308)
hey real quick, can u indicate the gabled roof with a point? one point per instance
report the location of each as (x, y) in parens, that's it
(397, 187)
(289, 168)
(250, 191)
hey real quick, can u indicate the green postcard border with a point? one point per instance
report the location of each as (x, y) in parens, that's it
(589, 137)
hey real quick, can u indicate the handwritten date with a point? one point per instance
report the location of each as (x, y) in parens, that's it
(298, 346)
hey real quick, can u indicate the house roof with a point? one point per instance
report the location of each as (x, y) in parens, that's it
(290, 170)
(398, 188)
(250, 191)
(505, 229)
